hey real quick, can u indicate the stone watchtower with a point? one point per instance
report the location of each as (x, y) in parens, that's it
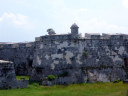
(74, 30)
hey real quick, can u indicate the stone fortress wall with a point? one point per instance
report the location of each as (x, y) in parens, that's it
(71, 58)
(21, 54)
(8, 76)
(92, 58)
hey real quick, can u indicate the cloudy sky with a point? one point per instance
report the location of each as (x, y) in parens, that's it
(23, 20)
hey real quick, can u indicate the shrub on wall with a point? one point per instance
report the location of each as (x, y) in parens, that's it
(51, 77)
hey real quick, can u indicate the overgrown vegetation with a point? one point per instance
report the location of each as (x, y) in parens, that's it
(22, 77)
(51, 77)
(96, 89)
(116, 81)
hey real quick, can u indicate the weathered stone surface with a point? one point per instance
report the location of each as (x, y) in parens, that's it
(8, 76)
(93, 58)
(7, 72)
(85, 60)
(19, 53)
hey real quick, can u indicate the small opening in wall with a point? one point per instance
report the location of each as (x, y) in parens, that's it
(126, 63)
(39, 70)
(29, 62)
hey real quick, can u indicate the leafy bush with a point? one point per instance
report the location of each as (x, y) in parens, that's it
(51, 77)
(116, 81)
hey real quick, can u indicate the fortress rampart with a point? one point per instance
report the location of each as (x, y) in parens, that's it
(70, 57)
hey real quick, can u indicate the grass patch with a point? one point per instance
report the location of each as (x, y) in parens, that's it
(96, 89)
(22, 77)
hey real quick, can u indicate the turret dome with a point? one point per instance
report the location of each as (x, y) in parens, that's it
(74, 25)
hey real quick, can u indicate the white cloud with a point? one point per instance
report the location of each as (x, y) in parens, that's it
(16, 20)
(96, 26)
(65, 16)
(83, 10)
(56, 3)
(125, 3)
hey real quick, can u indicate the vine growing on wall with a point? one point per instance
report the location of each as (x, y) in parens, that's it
(85, 53)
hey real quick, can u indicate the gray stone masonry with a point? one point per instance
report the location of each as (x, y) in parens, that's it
(71, 58)
(8, 76)
(90, 59)
(19, 53)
